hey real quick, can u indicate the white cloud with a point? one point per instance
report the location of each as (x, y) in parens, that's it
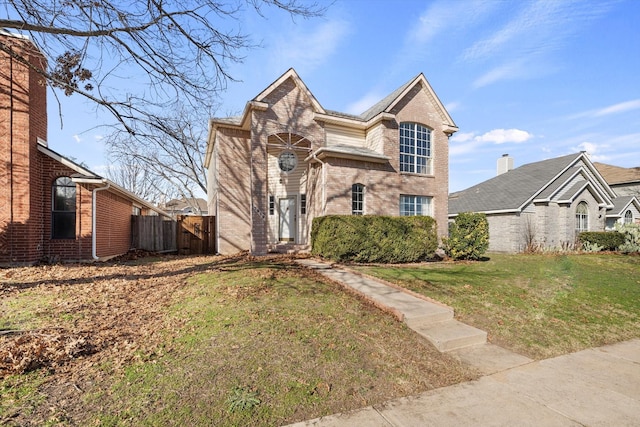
(593, 150)
(503, 72)
(622, 107)
(307, 50)
(503, 136)
(77, 138)
(452, 106)
(364, 103)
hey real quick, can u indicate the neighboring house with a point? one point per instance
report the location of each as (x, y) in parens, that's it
(186, 206)
(287, 160)
(544, 204)
(624, 181)
(50, 207)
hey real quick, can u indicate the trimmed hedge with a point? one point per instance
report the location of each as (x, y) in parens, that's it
(372, 238)
(608, 240)
(468, 236)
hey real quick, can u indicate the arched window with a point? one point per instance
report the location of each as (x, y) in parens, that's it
(628, 217)
(582, 217)
(63, 209)
(357, 199)
(415, 149)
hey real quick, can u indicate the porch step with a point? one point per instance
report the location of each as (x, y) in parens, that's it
(450, 334)
(288, 248)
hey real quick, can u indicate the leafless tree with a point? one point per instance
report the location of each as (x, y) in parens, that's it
(142, 61)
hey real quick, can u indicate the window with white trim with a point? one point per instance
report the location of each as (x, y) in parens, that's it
(357, 199)
(628, 217)
(582, 217)
(416, 205)
(63, 209)
(415, 149)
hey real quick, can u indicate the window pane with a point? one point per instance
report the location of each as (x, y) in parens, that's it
(63, 225)
(415, 148)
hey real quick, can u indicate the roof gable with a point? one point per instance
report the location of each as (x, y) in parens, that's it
(291, 74)
(622, 204)
(387, 104)
(560, 179)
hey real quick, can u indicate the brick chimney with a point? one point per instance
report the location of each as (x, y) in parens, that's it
(23, 121)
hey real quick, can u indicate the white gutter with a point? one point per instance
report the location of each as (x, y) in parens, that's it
(94, 212)
(324, 182)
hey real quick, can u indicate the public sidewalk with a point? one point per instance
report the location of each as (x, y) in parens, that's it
(595, 387)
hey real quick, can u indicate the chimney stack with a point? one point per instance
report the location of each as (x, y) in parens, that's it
(505, 164)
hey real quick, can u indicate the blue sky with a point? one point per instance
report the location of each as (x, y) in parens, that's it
(534, 79)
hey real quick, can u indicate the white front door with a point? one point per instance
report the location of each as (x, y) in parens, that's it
(287, 219)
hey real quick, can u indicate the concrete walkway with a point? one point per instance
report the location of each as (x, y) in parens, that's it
(595, 387)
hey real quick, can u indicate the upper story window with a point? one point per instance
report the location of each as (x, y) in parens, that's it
(628, 217)
(415, 149)
(582, 217)
(415, 205)
(357, 199)
(63, 209)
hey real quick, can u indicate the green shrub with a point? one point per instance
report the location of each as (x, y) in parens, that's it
(372, 238)
(468, 236)
(631, 233)
(608, 240)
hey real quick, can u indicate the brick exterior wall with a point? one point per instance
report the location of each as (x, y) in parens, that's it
(27, 177)
(23, 119)
(242, 168)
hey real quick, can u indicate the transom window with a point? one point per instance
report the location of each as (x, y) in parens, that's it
(357, 199)
(415, 205)
(582, 217)
(63, 209)
(628, 217)
(415, 149)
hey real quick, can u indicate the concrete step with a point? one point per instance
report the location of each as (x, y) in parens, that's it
(490, 358)
(427, 313)
(450, 334)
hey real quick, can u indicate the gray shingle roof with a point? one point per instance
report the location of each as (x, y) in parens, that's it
(384, 103)
(619, 204)
(511, 190)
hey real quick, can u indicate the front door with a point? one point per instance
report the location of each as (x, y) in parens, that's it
(288, 219)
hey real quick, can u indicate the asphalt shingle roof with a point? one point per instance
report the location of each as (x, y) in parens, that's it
(510, 190)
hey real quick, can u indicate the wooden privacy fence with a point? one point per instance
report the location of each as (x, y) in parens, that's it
(153, 233)
(196, 235)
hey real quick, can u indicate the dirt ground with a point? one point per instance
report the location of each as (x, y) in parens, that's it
(109, 312)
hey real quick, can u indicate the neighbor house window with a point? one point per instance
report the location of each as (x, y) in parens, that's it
(582, 217)
(628, 217)
(303, 204)
(415, 205)
(63, 209)
(136, 211)
(357, 199)
(415, 149)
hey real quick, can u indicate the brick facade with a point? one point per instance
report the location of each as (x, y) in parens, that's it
(28, 170)
(247, 185)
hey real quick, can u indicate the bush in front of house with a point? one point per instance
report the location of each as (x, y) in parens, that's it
(468, 237)
(631, 234)
(606, 240)
(371, 238)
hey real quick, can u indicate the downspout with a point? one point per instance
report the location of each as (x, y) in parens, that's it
(324, 182)
(94, 212)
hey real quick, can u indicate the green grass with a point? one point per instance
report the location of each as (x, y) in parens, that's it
(278, 342)
(538, 305)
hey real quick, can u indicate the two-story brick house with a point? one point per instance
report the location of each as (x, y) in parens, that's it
(287, 160)
(51, 208)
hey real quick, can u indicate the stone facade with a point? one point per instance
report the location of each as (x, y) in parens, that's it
(258, 204)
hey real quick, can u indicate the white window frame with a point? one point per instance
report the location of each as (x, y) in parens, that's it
(357, 199)
(416, 150)
(628, 217)
(582, 217)
(411, 205)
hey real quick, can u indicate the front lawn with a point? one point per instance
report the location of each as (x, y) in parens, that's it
(537, 305)
(199, 341)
